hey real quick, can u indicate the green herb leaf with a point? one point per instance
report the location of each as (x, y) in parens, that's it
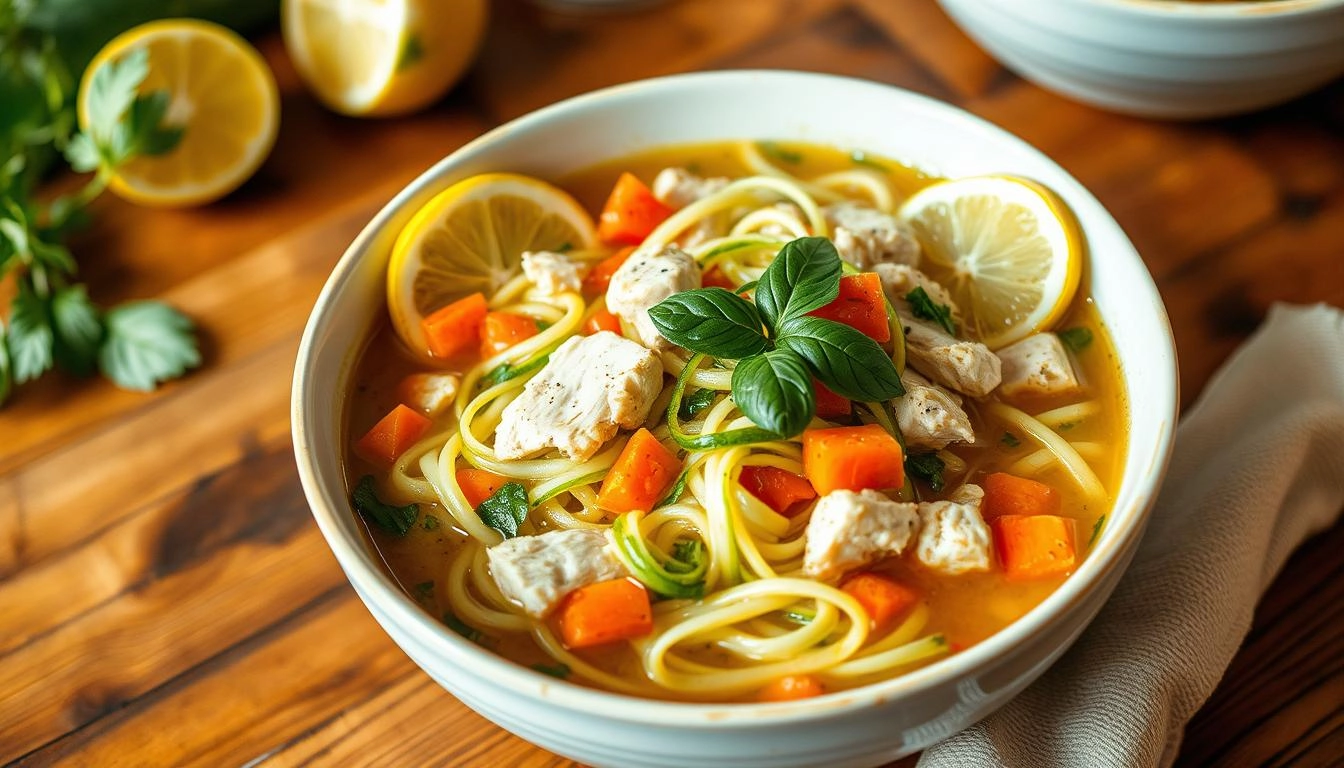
(710, 320)
(506, 509)
(82, 153)
(687, 556)
(697, 402)
(30, 337)
(776, 152)
(804, 276)
(412, 50)
(859, 157)
(1010, 440)
(1076, 339)
(393, 519)
(849, 363)
(79, 330)
(6, 375)
(462, 628)
(928, 467)
(112, 90)
(554, 670)
(147, 342)
(424, 591)
(430, 523)
(923, 307)
(504, 371)
(678, 488)
(1096, 531)
(774, 390)
(147, 132)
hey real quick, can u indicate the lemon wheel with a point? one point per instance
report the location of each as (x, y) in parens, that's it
(381, 57)
(1007, 248)
(470, 238)
(220, 91)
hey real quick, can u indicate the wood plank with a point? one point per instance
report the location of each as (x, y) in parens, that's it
(920, 29)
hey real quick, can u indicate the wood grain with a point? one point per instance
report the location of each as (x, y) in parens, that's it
(164, 597)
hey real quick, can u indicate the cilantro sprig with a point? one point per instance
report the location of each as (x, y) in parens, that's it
(52, 321)
(777, 345)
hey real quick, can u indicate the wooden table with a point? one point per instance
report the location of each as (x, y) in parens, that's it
(166, 598)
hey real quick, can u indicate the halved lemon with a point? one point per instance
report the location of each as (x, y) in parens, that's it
(381, 57)
(1008, 249)
(220, 91)
(471, 237)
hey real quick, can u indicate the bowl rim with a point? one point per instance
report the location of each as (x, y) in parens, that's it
(1222, 9)
(375, 587)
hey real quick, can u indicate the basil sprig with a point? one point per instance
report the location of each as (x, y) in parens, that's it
(779, 348)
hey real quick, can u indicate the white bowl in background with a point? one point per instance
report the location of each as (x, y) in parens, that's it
(1164, 58)
(860, 727)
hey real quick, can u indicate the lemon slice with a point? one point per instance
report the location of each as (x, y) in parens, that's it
(381, 57)
(1008, 249)
(220, 91)
(471, 237)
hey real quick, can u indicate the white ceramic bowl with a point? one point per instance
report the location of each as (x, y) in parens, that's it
(1162, 58)
(860, 727)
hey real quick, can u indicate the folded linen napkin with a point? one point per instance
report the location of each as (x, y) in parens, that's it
(1258, 467)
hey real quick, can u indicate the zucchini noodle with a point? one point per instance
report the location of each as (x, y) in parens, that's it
(733, 611)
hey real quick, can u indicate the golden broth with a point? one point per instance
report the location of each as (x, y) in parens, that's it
(966, 609)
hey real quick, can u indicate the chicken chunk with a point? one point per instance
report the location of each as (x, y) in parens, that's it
(953, 538)
(929, 416)
(552, 272)
(968, 367)
(536, 572)
(646, 279)
(591, 387)
(1037, 365)
(678, 187)
(849, 529)
(429, 393)
(866, 237)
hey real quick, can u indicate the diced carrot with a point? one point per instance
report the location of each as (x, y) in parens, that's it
(791, 688)
(631, 212)
(605, 611)
(1035, 546)
(502, 330)
(829, 404)
(852, 458)
(882, 599)
(599, 277)
(392, 435)
(1007, 494)
(640, 476)
(453, 328)
(429, 393)
(715, 278)
(477, 484)
(602, 320)
(781, 491)
(861, 306)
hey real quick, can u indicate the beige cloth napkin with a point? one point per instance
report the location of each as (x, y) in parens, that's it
(1258, 467)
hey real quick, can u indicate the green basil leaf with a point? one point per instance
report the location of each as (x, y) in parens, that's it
(506, 509)
(803, 277)
(79, 330)
(30, 336)
(714, 321)
(697, 402)
(393, 519)
(774, 390)
(504, 372)
(851, 364)
(1076, 339)
(923, 307)
(928, 467)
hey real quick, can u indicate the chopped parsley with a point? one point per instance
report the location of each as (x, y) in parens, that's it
(1076, 339)
(424, 590)
(1010, 440)
(505, 371)
(687, 555)
(697, 402)
(925, 308)
(1096, 531)
(929, 468)
(430, 523)
(776, 152)
(393, 519)
(554, 670)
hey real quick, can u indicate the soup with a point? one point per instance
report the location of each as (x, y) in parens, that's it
(738, 447)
